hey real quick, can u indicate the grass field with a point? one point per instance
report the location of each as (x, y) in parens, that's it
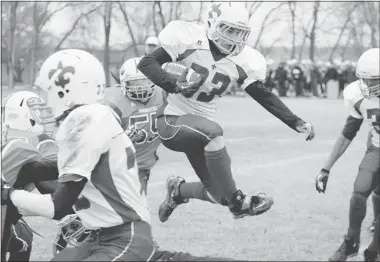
(267, 156)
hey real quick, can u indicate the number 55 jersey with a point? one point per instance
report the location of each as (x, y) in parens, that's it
(362, 108)
(142, 116)
(187, 44)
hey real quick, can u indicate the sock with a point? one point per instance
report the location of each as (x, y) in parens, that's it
(358, 209)
(376, 205)
(195, 190)
(219, 166)
(375, 244)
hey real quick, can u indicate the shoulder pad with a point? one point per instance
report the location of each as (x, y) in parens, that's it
(352, 93)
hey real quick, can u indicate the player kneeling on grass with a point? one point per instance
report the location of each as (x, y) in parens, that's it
(215, 58)
(362, 99)
(98, 174)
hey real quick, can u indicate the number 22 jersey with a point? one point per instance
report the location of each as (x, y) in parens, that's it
(187, 44)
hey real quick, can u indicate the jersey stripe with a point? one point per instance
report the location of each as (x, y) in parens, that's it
(102, 179)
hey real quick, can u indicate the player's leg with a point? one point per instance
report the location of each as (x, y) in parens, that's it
(195, 135)
(20, 246)
(164, 255)
(373, 251)
(129, 242)
(376, 206)
(366, 181)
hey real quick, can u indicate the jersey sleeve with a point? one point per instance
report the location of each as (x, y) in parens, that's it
(175, 38)
(83, 137)
(352, 95)
(254, 65)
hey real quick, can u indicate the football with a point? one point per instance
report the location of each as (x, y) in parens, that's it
(176, 70)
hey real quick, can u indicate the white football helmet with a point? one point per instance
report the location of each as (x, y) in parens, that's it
(71, 77)
(25, 110)
(135, 84)
(227, 25)
(368, 72)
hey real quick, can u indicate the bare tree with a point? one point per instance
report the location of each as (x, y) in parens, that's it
(348, 15)
(292, 8)
(267, 22)
(252, 7)
(73, 27)
(313, 30)
(370, 11)
(107, 31)
(11, 46)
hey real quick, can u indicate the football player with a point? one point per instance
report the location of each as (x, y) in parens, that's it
(96, 161)
(362, 99)
(219, 54)
(23, 162)
(138, 100)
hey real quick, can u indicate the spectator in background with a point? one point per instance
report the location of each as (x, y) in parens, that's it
(151, 44)
(314, 79)
(298, 79)
(281, 77)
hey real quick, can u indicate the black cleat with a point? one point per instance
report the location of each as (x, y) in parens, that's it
(349, 248)
(371, 256)
(173, 199)
(244, 205)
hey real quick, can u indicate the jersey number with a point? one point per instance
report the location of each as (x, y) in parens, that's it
(140, 121)
(374, 115)
(220, 81)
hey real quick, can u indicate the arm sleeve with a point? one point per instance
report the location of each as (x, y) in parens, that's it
(151, 67)
(352, 127)
(83, 137)
(273, 104)
(65, 197)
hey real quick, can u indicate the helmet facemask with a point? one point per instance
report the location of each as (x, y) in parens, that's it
(42, 114)
(229, 38)
(370, 87)
(138, 88)
(72, 230)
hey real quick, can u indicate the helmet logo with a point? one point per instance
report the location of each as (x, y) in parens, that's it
(215, 12)
(61, 80)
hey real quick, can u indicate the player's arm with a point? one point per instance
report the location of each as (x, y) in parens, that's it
(273, 104)
(344, 140)
(173, 42)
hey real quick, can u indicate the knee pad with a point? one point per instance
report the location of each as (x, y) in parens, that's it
(215, 144)
(376, 191)
(364, 183)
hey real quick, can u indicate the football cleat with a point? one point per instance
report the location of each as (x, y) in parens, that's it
(349, 248)
(371, 256)
(372, 226)
(173, 199)
(243, 205)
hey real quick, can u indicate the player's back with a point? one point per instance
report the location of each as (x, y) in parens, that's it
(142, 116)
(93, 145)
(362, 108)
(14, 155)
(187, 44)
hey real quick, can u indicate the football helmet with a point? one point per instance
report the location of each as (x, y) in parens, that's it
(71, 77)
(368, 72)
(151, 44)
(135, 84)
(227, 25)
(25, 110)
(72, 230)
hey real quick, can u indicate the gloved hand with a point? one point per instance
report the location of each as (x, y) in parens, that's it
(136, 135)
(306, 128)
(321, 180)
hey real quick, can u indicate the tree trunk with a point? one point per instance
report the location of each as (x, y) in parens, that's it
(313, 29)
(292, 8)
(154, 19)
(12, 52)
(126, 19)
(107, 31)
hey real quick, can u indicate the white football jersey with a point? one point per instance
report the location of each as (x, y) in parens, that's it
(187, 44)
(92, 144)
(362, 108)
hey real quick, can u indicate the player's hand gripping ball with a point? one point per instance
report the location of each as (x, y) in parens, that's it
(188, 81)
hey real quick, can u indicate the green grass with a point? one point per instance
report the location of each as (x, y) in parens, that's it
(267, 156)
